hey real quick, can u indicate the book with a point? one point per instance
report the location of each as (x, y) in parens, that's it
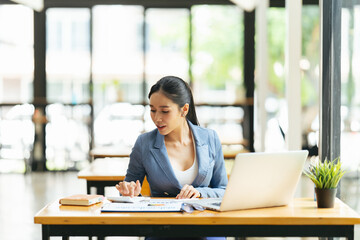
(81, 199)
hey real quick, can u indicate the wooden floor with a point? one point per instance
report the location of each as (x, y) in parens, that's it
(21, 196)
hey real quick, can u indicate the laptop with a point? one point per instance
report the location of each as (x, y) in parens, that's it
(259, 180)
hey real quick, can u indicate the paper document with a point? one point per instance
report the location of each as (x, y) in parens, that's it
(151, 205)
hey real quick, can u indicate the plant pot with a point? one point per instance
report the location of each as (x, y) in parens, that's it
(325, 197)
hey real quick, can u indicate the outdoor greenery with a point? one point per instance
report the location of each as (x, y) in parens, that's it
(325, 174)
(310, 53)
(218, 50)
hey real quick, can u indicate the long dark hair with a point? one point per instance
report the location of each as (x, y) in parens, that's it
(178, 91)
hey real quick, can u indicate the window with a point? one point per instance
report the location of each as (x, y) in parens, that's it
(16, 87)
(118, 68)
(217, 54)
(350, 86)
(122, 67)
(68, 55)
(218, 69)
(117, 55)
(68, 86)
(67, 136)
(276, 103)
(167, 41)
(16, 54)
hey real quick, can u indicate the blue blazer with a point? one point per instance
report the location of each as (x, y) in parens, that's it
(149, 157)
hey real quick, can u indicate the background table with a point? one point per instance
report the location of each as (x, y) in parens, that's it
(105, 172)
(117, 152)
(229, 151)
(301, 218)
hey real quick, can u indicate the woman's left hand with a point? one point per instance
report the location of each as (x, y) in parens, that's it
(188, 191)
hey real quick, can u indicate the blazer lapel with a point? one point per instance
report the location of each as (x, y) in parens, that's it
(202, 155)
(160, 154)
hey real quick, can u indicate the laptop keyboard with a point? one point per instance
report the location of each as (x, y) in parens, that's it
(216, 204)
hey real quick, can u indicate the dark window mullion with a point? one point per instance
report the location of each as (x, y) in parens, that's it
(39, 164)
(330, 65)
(249, 69)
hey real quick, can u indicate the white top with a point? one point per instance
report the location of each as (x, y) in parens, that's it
(189, 175)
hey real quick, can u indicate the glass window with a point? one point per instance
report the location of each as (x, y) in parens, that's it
(68, 84)
(67, 136)
(16, 53)
(118, 67)
(310, 78)
(217, 54)
(275, 103)
(217, 69)
(226, 121)
(167, 41)
(16, 86)
(117, 55)
(68, 55)
(350, 86)
(16, 137)
(119, 124)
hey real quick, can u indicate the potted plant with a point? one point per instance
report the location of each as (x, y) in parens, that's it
(326, 176)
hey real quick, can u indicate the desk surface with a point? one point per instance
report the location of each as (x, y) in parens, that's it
(298, 212)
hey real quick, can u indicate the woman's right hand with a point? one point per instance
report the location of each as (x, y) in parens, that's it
(131, 189)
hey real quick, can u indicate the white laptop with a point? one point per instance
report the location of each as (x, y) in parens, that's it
(260, 180)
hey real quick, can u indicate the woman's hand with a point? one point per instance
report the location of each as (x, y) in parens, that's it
(131, 189)
(188, 191)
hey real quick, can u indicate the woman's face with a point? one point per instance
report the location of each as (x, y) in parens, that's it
(165, 113)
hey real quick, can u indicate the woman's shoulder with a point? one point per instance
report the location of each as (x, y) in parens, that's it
(202, 131)
(206, 136)
(145, 141)
(145, 137)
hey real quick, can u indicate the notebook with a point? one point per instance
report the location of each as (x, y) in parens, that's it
(259, 180)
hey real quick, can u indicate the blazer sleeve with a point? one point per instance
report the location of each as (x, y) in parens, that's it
(136, 169)
(219, 178)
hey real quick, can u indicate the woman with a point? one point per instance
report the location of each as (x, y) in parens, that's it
(180, 159)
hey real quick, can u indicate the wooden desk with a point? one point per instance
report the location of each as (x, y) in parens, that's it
(104, 172)
(301, 218)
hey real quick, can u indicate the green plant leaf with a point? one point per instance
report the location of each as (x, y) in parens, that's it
(325, 174)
